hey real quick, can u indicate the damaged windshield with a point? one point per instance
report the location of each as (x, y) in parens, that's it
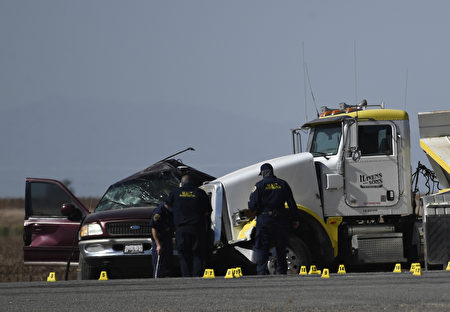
(324, 139)
(144, 191)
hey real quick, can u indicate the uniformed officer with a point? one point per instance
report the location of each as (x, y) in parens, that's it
(162, 234)
(191, 213)
(268, 200)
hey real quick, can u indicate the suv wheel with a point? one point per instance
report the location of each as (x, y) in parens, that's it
(86, 271)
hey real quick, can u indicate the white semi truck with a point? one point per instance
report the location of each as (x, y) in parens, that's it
(352, 187)
(353, 191)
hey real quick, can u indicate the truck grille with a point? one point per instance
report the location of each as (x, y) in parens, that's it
(141, 228)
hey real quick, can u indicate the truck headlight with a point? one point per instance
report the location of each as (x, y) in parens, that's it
(91, 229)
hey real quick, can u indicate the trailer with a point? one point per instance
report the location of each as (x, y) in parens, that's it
(435, 141)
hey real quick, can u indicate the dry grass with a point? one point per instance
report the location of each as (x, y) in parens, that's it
(12, 268)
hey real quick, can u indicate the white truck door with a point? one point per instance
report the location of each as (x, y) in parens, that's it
(374, 179)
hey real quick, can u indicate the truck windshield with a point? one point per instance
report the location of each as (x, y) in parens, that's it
(142, 192)
(325, 139)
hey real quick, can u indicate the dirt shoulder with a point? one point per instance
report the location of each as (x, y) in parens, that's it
(12, 269)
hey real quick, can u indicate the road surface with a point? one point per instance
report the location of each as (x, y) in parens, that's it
(349, 292)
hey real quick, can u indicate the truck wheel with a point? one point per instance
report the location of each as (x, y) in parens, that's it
(85, 271)
(297, 254)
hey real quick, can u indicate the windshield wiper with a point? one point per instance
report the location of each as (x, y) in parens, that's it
(320, 154)
(116, 202)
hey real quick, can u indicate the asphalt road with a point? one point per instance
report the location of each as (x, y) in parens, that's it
(349, 292)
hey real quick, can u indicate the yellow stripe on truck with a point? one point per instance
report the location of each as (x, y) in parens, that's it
(331, 227)
(375, 114)
(427, 149)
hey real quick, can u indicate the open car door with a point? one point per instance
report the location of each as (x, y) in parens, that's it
(52, 218)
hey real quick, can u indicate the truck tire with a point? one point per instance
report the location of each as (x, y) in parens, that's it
(297, 254)
(86, 271)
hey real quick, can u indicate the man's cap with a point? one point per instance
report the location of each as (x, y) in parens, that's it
(265, 166)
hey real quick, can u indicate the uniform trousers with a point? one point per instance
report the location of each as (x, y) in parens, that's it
(191, 250)
(271, 231)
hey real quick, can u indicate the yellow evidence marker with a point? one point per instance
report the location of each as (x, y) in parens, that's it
(448, 266)
(413, 265)
(230, 273)
(398, 268)
(238, 272)
(341, 269)
(303, 270)
(103, 276)
(326, 273)
(209, 273)
(51, 277)
(417, 270)
(313, 270)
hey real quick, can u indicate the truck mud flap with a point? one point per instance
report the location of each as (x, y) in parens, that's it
(437, 235)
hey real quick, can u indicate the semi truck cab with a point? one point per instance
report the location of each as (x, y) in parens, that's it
(352, 187)
(363, 161)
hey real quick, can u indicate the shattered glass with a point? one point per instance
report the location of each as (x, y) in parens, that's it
(143, 192)
(150, 186)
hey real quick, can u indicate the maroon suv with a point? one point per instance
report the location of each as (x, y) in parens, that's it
(116, 237)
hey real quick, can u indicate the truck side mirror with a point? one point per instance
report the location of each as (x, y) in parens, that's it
(296, 140)
(353, 137)
(71, 212)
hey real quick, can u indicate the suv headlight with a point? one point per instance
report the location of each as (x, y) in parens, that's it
(91, 229)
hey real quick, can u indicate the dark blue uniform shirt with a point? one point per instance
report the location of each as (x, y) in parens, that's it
(190, 206)
(162, 221)
(269, 196)
(268, 200)
(191, 213)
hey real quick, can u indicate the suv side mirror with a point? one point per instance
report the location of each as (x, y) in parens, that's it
(71, 212)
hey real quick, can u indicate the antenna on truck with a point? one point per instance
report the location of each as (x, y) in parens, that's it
(310, 89)
(304, 81)
(305, 72)
(177, 153)
(406, 90)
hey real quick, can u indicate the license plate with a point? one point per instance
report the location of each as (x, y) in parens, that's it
(133, 249)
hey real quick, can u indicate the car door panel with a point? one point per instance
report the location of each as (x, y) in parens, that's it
(48, 235)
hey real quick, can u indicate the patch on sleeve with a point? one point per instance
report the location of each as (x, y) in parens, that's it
(156, 217)
(254, 188)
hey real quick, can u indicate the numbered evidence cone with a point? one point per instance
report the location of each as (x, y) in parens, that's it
(448, 266)
(413, 266)
(238, 272)
(303, 270)
(209, 273)
(103, 276)
(398, 268)
(326, 273)
(341, 269)
(417, 270)
(313, 270)
(51, 277)
(230, 273)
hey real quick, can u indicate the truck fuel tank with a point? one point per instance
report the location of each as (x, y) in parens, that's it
(350, 230)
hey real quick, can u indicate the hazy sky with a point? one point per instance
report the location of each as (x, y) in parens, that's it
(93, 91)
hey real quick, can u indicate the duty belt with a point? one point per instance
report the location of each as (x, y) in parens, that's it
(272, 213)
